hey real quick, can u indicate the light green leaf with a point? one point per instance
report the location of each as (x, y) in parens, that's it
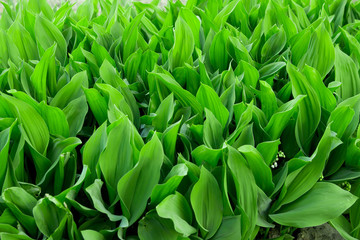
(47, 34)
(313, 209)
(206, 202)
(309, 108)
(176, 208)
(135, 187)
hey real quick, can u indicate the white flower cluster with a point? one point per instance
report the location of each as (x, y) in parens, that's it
(280, 154)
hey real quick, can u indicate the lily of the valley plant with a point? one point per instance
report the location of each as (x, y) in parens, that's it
(208, 119)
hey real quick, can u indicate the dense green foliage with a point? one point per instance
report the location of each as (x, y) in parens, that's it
(206, 120)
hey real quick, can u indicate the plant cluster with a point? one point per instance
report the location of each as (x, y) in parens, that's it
(208, 119)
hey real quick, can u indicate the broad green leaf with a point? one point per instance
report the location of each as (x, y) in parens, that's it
(47, 34)
(75, 113)
(313, 209)
(326, 97)
(94, 147)
(177, 209)
(4, 151)
(169, 139)
(33, 125)
(23, 41)
(280, 119)
(251, 74)
(109, 74)
(343, 227)
(130, 36)
(212, 131)
(92, 235)
(116, 101)
(97, 104)
(302, 181)
(118, 157)
(55, 120)
(21, 204)
(309, 108)
(43, 78)
(184, 97)
(70, 91)
(271, 69)
(209, 99)
(204, 154)
(207, 205)
(164, 113)
(94, 191)
(273, 45)
(258, 166)
(135, 187)
(50, 216)
(229, 229)
(170, 184)
(267, 99)
(346, 72)
(246, 191)
(218, 54)
(183, 45)
(320, 53)
(153, 227)
(268, 150)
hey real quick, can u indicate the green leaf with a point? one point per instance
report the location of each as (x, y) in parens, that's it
(55, 120)
(273, 45)
(209, 99)
(326, 97)
(153, 227)
(309, 108)
(176, 208)
(75, 113)
(268, 150)
(170, 184)
(169, 139)
(97, 104)
(271, 69)
(251, 74)
(229, 229)
(70, 91)
(135, 187)
(281, 118)
(183, 46)
(94, 191)
(43, 78)
(206, 202)
(130, 36)
(47, 34)
(33, 125)
(203, 154)
(50, 216)
(258, 166)
(23, 41)
(320, 53)
(92, 235)
(346, 72)
(246, 191)
(164, 113)
(212, 131)
(184, 97)
(21, 204)
(268, 99)
(118, 157)
(299, 182)
(218, 55)
(313, 209)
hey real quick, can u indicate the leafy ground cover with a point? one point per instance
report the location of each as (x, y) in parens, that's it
(205, 120)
